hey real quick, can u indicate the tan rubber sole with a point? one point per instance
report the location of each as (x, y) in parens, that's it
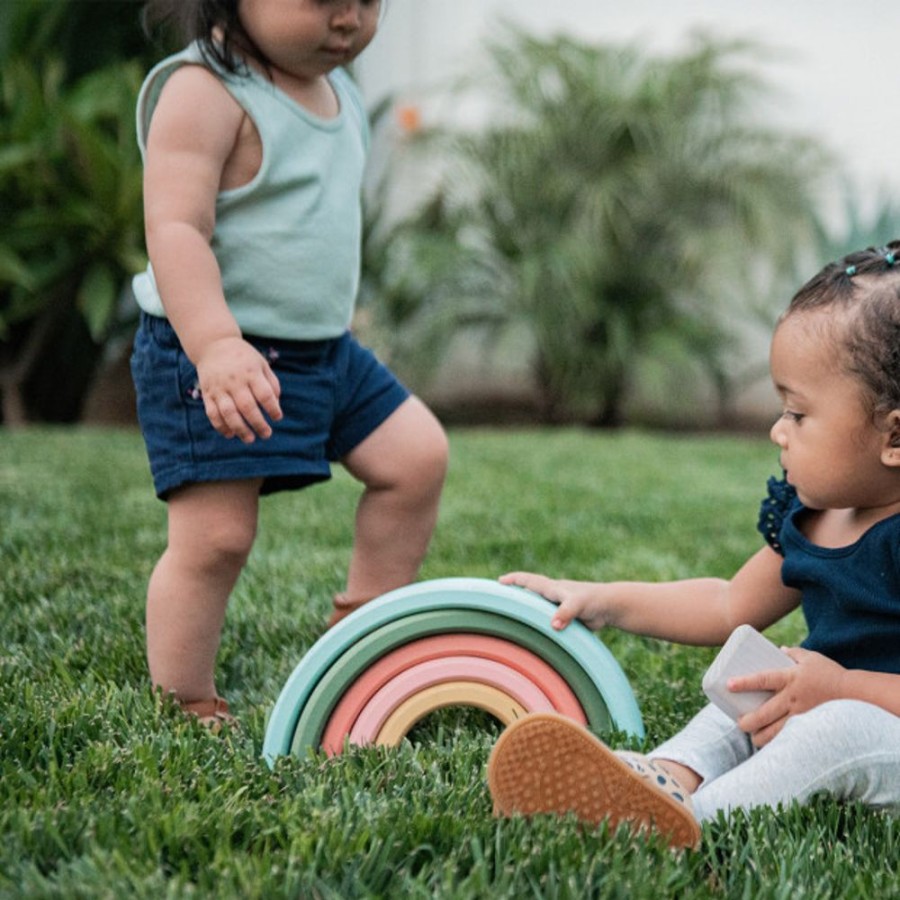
(546, 763)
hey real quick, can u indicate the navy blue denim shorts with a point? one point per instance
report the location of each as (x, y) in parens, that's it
(334, 394)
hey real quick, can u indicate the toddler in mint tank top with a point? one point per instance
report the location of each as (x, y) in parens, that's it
(248, 377)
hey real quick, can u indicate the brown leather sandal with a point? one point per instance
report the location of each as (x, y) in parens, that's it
(211, 714)
(343, 606)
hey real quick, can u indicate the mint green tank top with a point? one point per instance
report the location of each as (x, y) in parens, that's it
(288, 243)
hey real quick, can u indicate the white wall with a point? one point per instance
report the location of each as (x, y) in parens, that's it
(835, 64)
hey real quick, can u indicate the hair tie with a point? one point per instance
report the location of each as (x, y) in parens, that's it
(890, 259)
(850, 271)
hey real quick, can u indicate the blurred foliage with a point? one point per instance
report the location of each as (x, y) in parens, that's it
(613, 207)
(86, 34)
(863, 228)
(615, 204)
(70, 190)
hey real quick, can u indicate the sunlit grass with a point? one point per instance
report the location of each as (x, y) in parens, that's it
(106, 793)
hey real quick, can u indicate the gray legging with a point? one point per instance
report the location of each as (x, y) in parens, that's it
(846, 748)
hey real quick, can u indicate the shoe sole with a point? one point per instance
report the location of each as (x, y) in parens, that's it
(546, 763)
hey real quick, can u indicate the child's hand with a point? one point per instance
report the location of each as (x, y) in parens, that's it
(576, 599)
(238, 386)
(814, 680)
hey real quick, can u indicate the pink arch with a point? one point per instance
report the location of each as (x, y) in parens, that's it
(551, 683)
(417, 678)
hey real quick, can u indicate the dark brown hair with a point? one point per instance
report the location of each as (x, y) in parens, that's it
(196, 20)
(866, 287)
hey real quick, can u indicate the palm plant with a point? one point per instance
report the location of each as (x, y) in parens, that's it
(599, 208)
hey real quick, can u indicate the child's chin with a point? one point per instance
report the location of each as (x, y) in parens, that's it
(810, 502)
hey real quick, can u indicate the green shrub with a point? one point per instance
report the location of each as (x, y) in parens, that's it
(70, 191)
(70, 180)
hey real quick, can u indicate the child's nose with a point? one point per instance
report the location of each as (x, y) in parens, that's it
(346, 15)
(777, 433)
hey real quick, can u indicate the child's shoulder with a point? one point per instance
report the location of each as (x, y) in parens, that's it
(192, 83)
(195, 99)
(186, 77)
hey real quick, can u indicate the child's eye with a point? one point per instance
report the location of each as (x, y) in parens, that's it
(792, 416)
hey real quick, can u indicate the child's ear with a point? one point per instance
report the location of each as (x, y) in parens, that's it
(890, 452)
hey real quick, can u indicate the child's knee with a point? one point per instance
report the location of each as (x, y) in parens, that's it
(423, 467)
(433, 459)
(225, 543)
(407, 456)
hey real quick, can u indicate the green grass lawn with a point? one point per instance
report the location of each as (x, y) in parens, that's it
(106, 793)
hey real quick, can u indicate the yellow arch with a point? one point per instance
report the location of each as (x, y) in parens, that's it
(451, 693)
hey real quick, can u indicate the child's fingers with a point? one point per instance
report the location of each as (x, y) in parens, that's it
(762, 737)
(531, 581)
(240, 390)
(244, 412)
(562, 617)
(274, 383)
(241, 415)
(222, 416)
(266, 391)
(549, 588)
(215, 417)
(234, 417)
(766, 680)
(763, 723)
(515, 578)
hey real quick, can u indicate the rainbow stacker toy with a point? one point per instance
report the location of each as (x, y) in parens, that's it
(449, 642)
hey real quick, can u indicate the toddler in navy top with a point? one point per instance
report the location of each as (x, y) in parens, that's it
(832, 529)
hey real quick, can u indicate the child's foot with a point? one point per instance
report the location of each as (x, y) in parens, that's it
(343, 606)
(546, 763)
(211, 714)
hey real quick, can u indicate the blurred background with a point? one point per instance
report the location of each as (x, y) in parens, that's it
(578, 212)
(831, 65)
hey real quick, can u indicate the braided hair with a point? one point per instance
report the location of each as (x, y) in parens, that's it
(865, 287)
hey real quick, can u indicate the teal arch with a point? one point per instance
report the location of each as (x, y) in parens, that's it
(480, 594)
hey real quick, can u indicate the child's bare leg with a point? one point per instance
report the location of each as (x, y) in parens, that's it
(684, 775)
(402, 465)
(211, 531)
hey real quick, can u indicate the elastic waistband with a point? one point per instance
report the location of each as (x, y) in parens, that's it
(162, 330)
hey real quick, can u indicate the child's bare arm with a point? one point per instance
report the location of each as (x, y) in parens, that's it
(880, 688)
(192, 134)
(693, 611)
